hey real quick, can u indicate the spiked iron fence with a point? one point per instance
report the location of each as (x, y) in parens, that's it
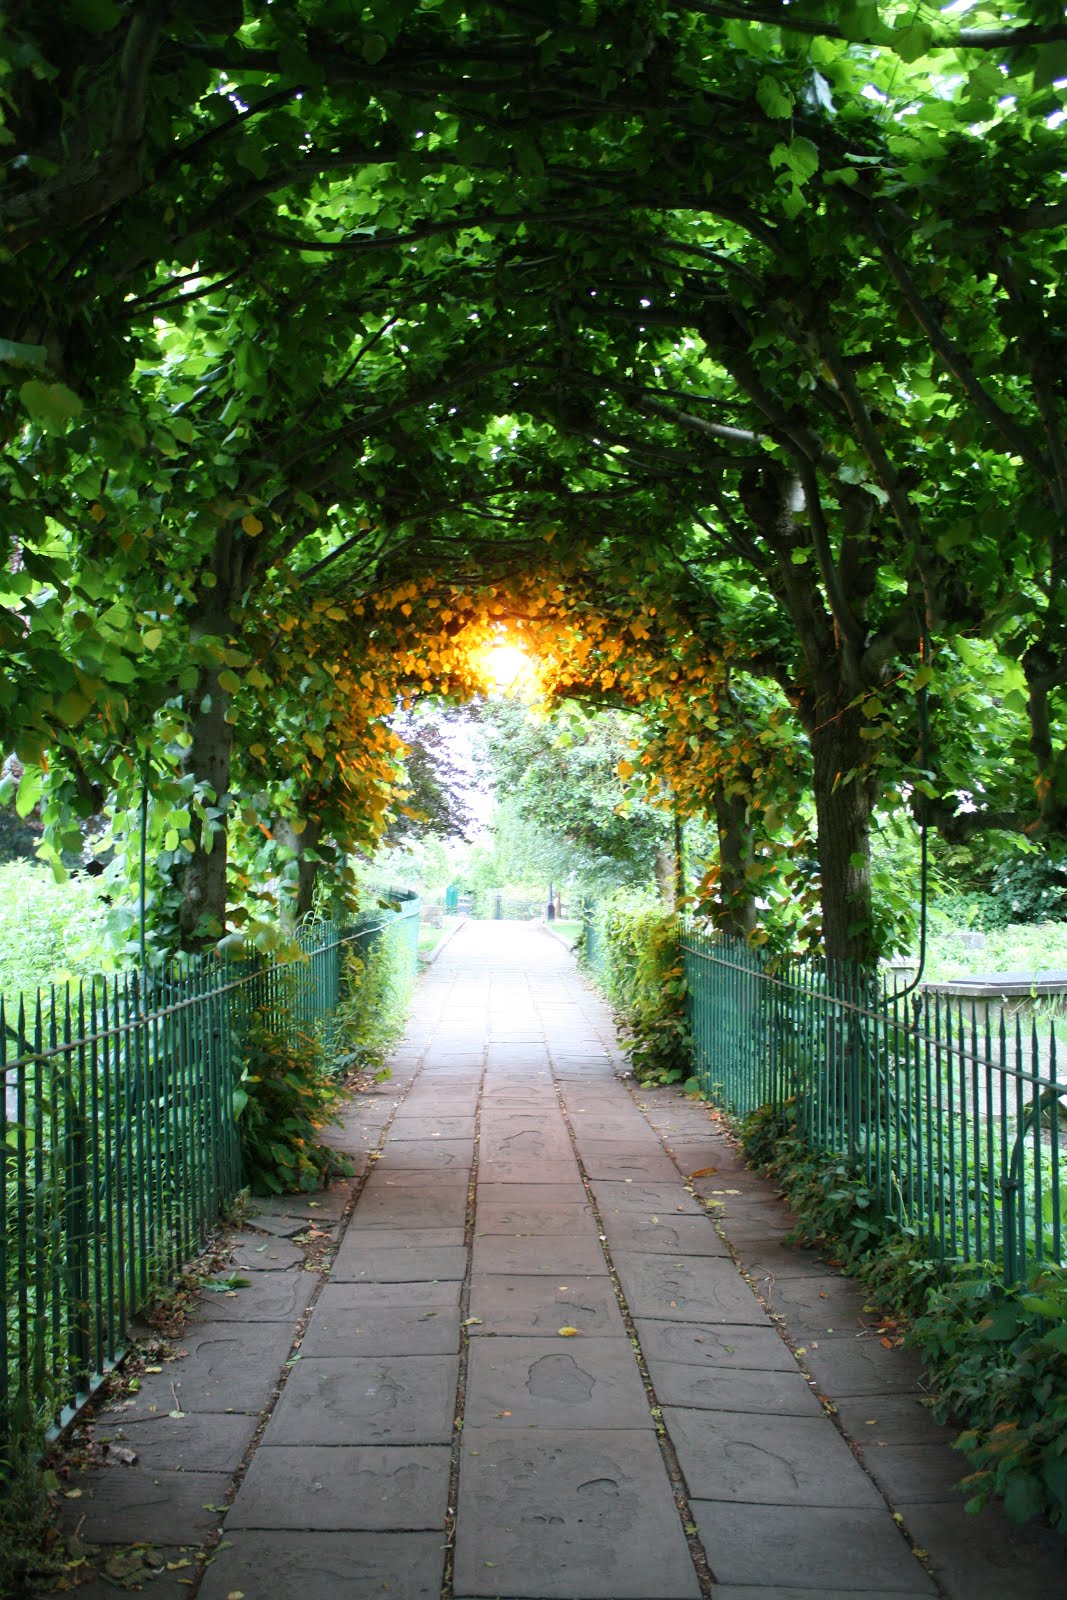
(120, 1146)
(955, 1114)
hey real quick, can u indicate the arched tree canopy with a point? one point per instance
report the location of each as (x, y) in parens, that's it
(716, 348)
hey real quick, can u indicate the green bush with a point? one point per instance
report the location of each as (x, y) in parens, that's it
(642, 970)
(49, 931)
(284, 1097)
(379, 979)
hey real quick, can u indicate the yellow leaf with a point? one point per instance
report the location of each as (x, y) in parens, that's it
(97, 512)
(625, 770)
(252, 525)
(568, 1333)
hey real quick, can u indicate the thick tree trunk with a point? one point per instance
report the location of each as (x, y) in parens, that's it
(845, 794)
(202, 916)
(304, 846)
(737, 913)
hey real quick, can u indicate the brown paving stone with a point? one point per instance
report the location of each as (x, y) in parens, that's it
(308, 1487)
(547, 1515)
(581, 1383)
(752, 1391)
(754, 1346)
(382, 1399)
(762, 1460)
(356, 1263)
(324, 1566)
(553, 1254)
(686, 1289)
(541, 1305)
(818, 1549)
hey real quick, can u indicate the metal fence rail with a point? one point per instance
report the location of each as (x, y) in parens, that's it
(955, 1115)
(120, 1146)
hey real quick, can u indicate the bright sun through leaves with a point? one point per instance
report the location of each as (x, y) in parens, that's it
(506, 668)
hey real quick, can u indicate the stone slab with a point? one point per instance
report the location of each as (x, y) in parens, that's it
(841, 1364)
(770, 1259)
(208, 1443)
(776, 1394)
(656, 1235)
(516, 1169)
(987, 1557)
(666, 1199)
(412, 1208)
(528, 1383)
(688, 1289)
(568, 1191)
(133, 1505)
(817, 1546)
(415, 1264)
(732, 1591)
(167, 1573)
(381, 1399)
(254, 1253)
(425, 1125)
(610, 1160)
(267, 1297)
(351, 1321)
(229, 1366)
(758, 1460)
(371, 1487)
(415, 1179)
(426, 1155)
(916, 1474)
(750, 1347)
(891, 1419)
(369, 1238)
(554, 1254)
(818, 1305)
(329, 1202)
(566, 1219)
(542, 1305)
(552, 1516)
(323, 1566)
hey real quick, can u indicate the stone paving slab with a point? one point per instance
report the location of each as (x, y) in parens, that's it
(987, 1557)
(257, 1254)
(132, 1505)
(769, 1260)
(553, 1254)
(364, 1487)
(193, 1443)
(818, 1548)
(268, 1297)
(356, 1262)
(543, 1305)
(891, 1419)
(813, 1305)
(427, 1126)
(380, 1399)
(677, 1235)
(516, 1169)
(552, 1516)
(372, 1238)
(777, 1394)
(566, 1219)
(351, 1320)
(493, 1193)
(324, 1566)
(229, 1367)
(413, 1208)
(843, 1364)
(758, 1460)
(585, 1383)
(425, 1155)
(687, 1289)
(665, 1199)
(754, 1347)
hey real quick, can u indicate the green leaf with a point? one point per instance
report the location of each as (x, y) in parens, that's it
(31, 787)
(95, 16)
(229, 681)
(1050, 63)
(51, 403)
(774, 98)
(912, 41)
(22, 355)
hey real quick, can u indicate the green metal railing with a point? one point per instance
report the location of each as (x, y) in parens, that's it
(120, 1145)
(953, 1112)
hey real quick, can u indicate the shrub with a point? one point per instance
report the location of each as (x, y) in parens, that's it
(643, 972)
(370, 1019)
(284, 1097)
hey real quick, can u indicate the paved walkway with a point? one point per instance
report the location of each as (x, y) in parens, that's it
(535, 1368)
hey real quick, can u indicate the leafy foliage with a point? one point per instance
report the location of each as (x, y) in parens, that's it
(370, 1017)
(639, 961)
(284, 1097)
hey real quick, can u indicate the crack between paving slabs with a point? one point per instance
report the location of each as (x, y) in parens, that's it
(779, 1323)
(211, 1549)
(675, 1475)
(464, 1349)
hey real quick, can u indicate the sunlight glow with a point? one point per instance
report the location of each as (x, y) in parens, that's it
(508, 666)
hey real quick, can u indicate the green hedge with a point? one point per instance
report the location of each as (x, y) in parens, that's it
(633, 952)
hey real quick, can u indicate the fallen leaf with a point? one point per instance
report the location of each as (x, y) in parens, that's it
(122, 1453)
(73, 1494)
(703, 1172)
(568, 1333)
(472, 1322)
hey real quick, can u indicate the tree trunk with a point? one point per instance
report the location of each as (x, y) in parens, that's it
(845, 793)
(304, 846)
(202, 916)
(737, 913)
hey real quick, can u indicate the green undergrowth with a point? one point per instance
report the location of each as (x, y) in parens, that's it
(379, 980)
(641, 968)
(284, 1098)
(997, 1357)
